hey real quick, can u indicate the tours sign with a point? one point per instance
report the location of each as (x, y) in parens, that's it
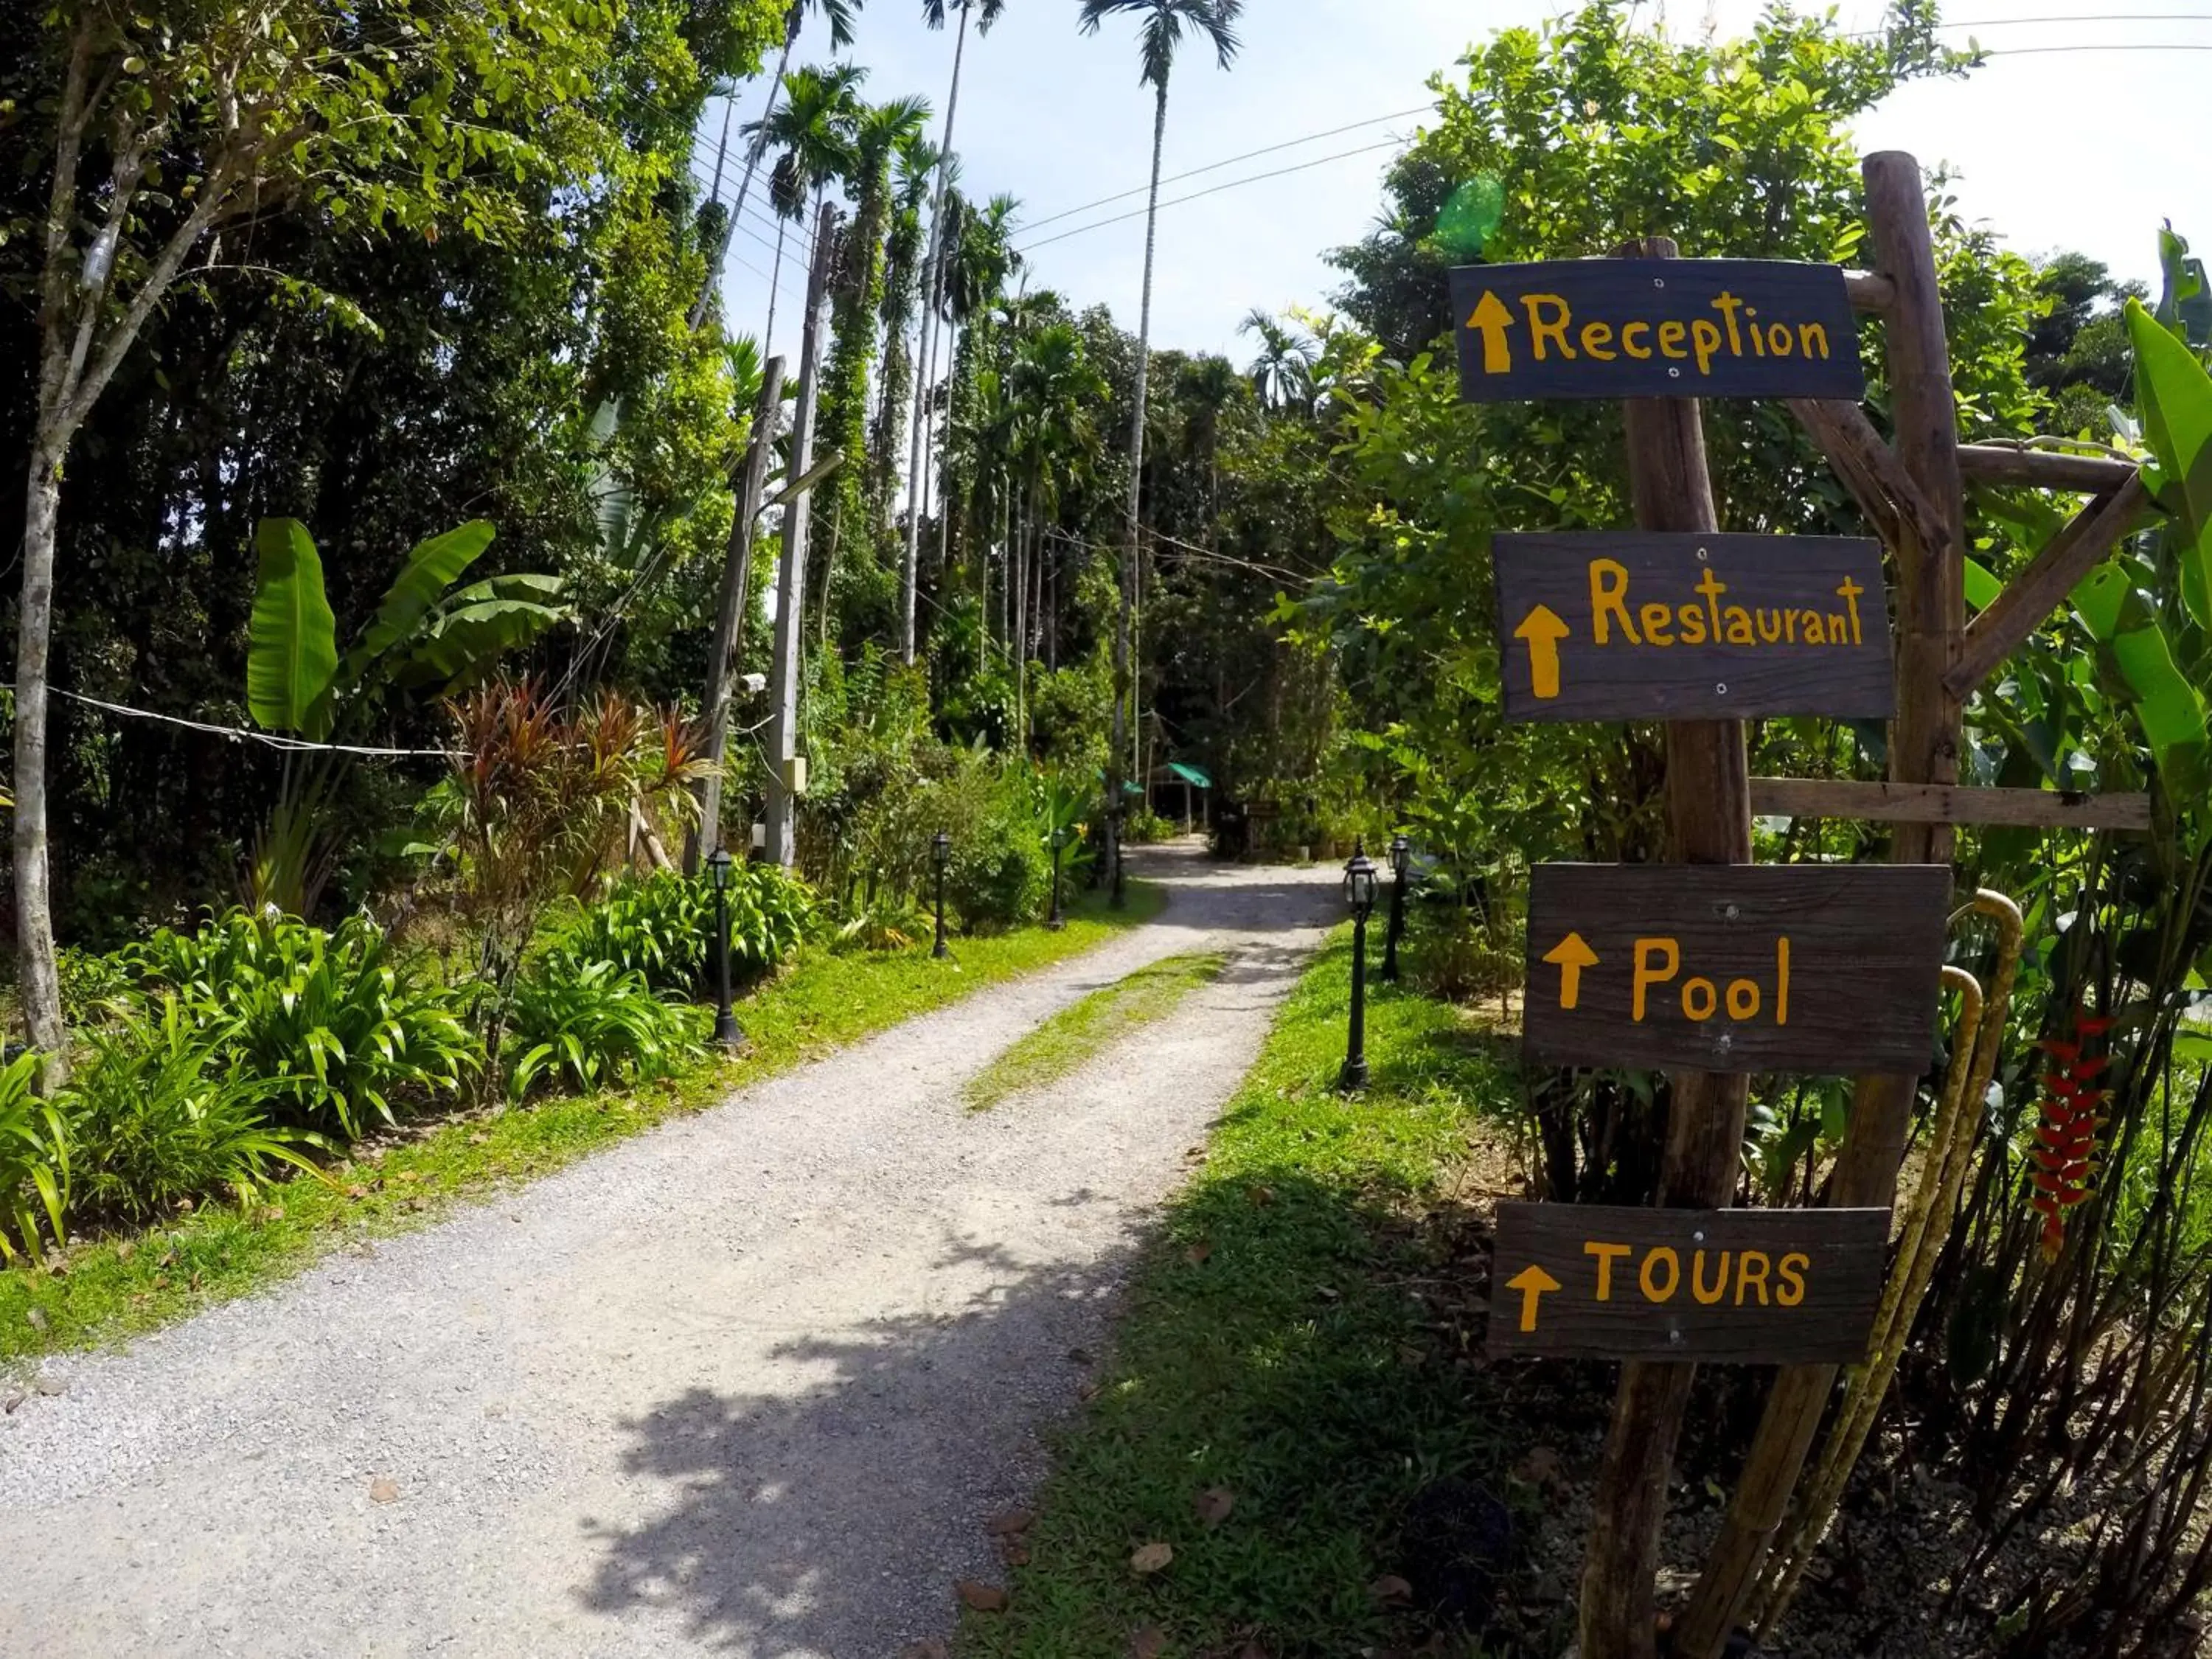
(1762, 1286)
(1736, 968)
(1655, 328)
(1624, 625)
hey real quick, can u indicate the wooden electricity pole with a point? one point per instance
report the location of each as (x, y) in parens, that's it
(1709, 821)
(730, 619)
(783, 789)
(1924, 524)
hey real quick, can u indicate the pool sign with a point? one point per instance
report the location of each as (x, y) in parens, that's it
(1772, 1286)
(1610, 625)
(1655, 328)
(1736, 968)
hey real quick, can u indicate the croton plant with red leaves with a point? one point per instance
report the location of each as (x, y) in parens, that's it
(2065, 1156)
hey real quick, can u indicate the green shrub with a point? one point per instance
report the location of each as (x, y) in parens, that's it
(1146, 828)
(35, 1164)
(96, 987)
(329, 1019)
(593, 1022)
(1000, 873)
(662, 925)
(166, 1109)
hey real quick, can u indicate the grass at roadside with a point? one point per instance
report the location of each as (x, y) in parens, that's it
(1076, 1033)
(117, 1287)
(1289, 1352)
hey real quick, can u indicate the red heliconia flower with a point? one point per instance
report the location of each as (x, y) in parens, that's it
(2065, 1156)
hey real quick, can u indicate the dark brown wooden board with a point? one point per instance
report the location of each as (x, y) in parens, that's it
(1751, 1286)
(1655, 328)
(1613, 625)
(1719, 968)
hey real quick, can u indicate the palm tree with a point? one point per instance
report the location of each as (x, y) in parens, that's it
(1162, 25)
(1053, 390)
(917, 163)
(813, 132)
(878, 133)
(933, 13)
(1282, 375)
(841, 13)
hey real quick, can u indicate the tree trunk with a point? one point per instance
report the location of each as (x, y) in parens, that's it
(1123, 644)
(39, 986)
(933, 272)
(753, 154)
(767, 334)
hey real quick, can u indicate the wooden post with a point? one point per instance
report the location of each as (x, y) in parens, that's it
(791, 576)
(1709, 821)
(1923, 749)
(730, 619)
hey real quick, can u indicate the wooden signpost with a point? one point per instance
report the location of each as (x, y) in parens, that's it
(1606, 626)
(1576, 1280)
(1734, 967)
(1655, 328)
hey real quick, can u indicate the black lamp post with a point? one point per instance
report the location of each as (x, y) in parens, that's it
(726, 1023)
(1360, 895)
(1402, 857)
(1055, 921)
(941, 846)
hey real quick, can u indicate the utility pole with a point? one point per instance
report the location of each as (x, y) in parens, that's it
(730, 619)
(784, 784)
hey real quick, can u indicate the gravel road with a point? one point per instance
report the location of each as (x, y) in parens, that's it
(749, 1384)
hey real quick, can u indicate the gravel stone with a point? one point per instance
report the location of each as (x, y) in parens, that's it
(753, 1383)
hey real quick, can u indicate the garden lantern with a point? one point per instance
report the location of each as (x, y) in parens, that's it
(940, 846)
(1055, 921)
(726, 1022)
(1359, 896)
(1401, 860)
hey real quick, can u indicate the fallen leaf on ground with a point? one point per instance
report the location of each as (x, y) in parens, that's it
(126, 1249)
(1147, 1642)
(1198, 1253)
(356, 1191)
(928, 1648)
(50, 1386)
(1011, 1521)
(384, 1490)
(1087, 1393)
(15, 1398)
(983, 1598)
(1213, 1504)
(1260, 1194)
(1541, 1467)
(1390, 1587)
(37, 1317)
(1150, 1558)
(57, 1265)
(479, 1140)
(1326, 1292)
(1013, 1552)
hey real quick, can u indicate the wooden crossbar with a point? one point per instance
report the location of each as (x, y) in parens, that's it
(1937, 803)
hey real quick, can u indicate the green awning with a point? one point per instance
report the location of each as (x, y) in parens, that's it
(1190, 774)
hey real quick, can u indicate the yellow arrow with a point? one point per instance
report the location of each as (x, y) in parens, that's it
(1542, 631)
(1490, 321)
(1571, 956)
(1533, 1282)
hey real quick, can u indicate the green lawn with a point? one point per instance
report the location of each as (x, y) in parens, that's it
(1295, 1349)
(1091, 1026)
(117, 1287)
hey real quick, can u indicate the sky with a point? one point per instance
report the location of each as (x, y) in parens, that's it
(2072, 145)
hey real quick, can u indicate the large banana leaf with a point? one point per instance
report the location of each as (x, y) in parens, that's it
(429, 570)
(292, 652)
(461, 642)
(2176, 396)
(2126, 625)
(2185, 306)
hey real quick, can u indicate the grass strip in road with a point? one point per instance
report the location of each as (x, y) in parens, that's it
(1276, 1362)
(1079, 1033)
(118, 1287)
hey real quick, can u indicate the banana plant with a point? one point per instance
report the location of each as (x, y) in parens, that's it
(420, 636)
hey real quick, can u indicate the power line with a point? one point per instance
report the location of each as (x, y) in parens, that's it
(2097, 46)
(1231, 161)
(1253, 179)
(244, 733)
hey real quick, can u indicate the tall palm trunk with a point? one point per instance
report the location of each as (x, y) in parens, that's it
(767, 334)
(932, 278)
(1126, 624)
(753, 154)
